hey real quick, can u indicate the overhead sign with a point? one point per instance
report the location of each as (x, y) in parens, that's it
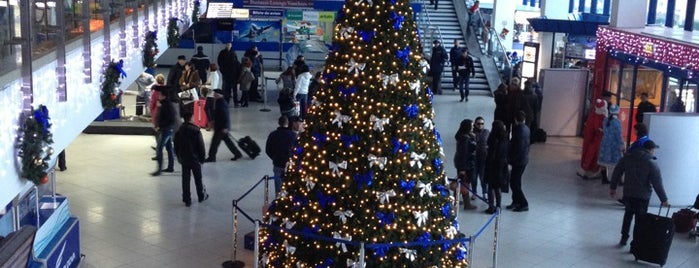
(266, 13)
(217, 10)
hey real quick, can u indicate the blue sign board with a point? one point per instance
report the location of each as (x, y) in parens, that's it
(256, 13)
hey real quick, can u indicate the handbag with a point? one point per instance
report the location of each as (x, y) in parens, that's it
(189, 95)
(685, 220)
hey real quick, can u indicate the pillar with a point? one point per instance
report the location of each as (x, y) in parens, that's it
(628, 14)
(552, 9)
(503, 18)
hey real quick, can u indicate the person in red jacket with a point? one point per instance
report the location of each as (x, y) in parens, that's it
(592, 137)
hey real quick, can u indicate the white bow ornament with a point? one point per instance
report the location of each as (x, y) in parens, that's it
(383, 196)
(425, 189)
(421, 217)
(335, 167)
(289, 249)
(392, 79)
(409, 254)
(415, 86)
(355, 66)
(378, 122)
(346, 31)
(427, 123)
(417, 159)
(336, 235)
(340, 118)
(377, 161)
(343, 215)
(310, 184)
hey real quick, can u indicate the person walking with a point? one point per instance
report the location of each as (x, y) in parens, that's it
(465, 159)
(496, 165)
(465, 71)
(279, 148)
(518, 158)
(482, 134)
(201, 63)
(640, 174)
(222, 124)
(165, 125)
(213, 81)
(303, 81)
(230, 71)
(612, 146)
(189, 148)
(500, 98)
(437, 61)
(644, 106)
(454, 55)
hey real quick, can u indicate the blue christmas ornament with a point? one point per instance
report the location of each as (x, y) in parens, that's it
(393, 2)
(299, 202)
(398, 146)
(120, 68)
(380, 251)
(319, 138)
(324, 200)
(411, 110)
(364, 179)
(404, 55)
(445, 246)
(437, 164)
(41, 116)
(327, 263)
(298, 150)
(424, 238)
(310, 230)
(397, 20)
(446, 209)
(438, 136)
(460, 254)
(385, 218)
(430, 94)
(407, 186)
(334, 47)
(347, 140)
(366, 35)
(441, 189)
(346, 92)
(328, 77)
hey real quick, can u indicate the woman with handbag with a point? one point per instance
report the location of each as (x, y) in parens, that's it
(245, 80)
(465, 158)
(189, 84)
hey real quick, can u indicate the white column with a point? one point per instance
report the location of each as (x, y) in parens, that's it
(628, 14)
(504, 17)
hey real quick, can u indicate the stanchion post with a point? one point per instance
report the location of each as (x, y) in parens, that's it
(495, 238)
(233, 263)
(361, 255)
(471, 248)
(256, 254)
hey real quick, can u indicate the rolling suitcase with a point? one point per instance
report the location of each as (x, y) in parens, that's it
(199, 116)
(249, 146)
(652, 238)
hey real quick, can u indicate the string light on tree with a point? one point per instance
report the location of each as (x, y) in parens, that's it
(369, 165)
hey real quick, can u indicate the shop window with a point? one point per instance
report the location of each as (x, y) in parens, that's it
(680, 13)
(681, 96)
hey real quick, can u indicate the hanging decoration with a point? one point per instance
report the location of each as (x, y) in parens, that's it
(195, 12)
(35, 145)
(173, 33)
(150, 49)
(109, 90)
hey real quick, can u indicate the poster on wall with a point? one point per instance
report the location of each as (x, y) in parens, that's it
(279, 3)
(312, 30)
(256, 31)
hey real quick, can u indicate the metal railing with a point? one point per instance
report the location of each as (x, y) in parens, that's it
(492, 44)
(430, 32)
(361, 246)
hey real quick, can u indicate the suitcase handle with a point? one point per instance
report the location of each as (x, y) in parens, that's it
(660, 209)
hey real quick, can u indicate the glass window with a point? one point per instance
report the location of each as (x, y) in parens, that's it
(680, 13)
(661, 12)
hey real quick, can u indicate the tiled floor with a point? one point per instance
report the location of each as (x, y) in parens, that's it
(130, 219)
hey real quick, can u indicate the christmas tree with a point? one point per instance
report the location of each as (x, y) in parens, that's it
(150, 49)
(369, 165)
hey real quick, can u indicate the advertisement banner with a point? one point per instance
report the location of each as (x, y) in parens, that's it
(279, 3)
(311, 27)
(258, 13)
(256, 31)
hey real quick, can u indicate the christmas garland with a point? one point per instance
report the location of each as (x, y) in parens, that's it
(34, 149)
(150, 49)
(195, 12)
(173, 35)
(109, 89)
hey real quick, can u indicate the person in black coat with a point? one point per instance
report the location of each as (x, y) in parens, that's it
(644, 106)
(230, 71)
(439, 58)
(173, 76)
(201, 63)
(496, 165)
(222, 124)
(454, 54)
(189, 148)
(500, 97)
(257, 65)
(279, 147)
(165, 125)
(518, 158)
(465, 158)
(465, 70)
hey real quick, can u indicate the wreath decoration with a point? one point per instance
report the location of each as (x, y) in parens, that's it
(109, 89)
(150, 49)
(195, 12)
(34, 145)
(173, 34)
